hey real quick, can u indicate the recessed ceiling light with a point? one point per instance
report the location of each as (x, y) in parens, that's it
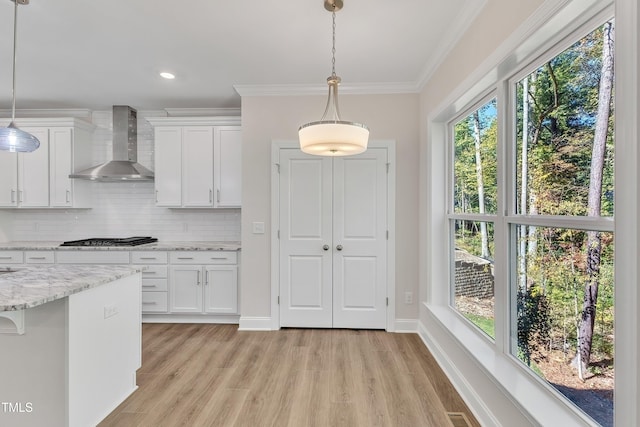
(168, 76)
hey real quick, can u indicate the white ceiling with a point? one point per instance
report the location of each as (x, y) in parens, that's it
(95, 54)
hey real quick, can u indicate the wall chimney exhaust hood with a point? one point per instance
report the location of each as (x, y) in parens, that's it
(124, 166)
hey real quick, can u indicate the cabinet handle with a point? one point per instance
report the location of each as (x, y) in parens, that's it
(6, 257)
(185, 257)
(198, 283)
(218, 257)
(148, 286)
(218, 195)
(149, 272)
(149, 303)
(206, 278)
(210, 196)
(156, 196)
(68, 196)
(13, 195)
(37, 257)
(148, 257)
(21, 196)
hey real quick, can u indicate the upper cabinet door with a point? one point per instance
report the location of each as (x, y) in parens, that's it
(197, 166)
(33, 172)
(168, 166)
(8, 179)
(61, 165)
(228, 167)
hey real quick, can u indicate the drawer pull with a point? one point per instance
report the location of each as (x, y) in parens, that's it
(149, 286)
(144, 273)
(219, 257)
(37, 257)
(149, 303)
(6, 257)
(148, 257)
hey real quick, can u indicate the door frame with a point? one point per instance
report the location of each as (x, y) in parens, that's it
(390, 145)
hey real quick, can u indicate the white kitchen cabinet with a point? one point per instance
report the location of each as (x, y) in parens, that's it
(199, 288)
(40, 179)
(228, 166)
(168, 166)
(26, 174)
(197, 166)
(154, 280)
(197, 161)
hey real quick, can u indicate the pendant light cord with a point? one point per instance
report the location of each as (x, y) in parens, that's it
(333, 48)
(15, 35)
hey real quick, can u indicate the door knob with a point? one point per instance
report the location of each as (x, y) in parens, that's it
(325, 247)
(339, 247)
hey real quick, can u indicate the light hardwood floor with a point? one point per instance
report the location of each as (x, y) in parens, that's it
(215, 375)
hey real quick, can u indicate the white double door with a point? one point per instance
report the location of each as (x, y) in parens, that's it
(333, 240)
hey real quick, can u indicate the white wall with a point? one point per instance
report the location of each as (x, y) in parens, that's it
(121, 209)
(389, 117)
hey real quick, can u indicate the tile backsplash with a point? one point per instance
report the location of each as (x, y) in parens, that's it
(121, 209)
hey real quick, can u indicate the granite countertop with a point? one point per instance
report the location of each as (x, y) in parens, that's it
(157, 246)
(33, 286)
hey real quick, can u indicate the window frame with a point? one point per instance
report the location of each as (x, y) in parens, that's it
(501, 84)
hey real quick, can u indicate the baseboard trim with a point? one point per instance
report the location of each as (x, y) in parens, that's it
(255, 324)
(406, 326)
(173, 318)
(462, 386)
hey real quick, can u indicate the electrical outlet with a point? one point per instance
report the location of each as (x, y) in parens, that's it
(110, 311)
(408, 297)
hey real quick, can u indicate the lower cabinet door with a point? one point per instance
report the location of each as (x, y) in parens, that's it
(221, 289)
(186, 289)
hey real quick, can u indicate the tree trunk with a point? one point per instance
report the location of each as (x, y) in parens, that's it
(594, 245)
(480, 180)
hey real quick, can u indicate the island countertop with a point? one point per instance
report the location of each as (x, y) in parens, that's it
(29, 287)
(156, 246)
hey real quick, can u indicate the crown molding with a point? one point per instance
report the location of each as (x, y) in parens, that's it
(81, 113)
(202, 112)
(349, 89)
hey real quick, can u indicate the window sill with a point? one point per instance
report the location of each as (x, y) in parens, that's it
(534, 397)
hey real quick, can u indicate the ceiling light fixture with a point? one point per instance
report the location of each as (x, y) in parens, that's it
(331, 136)
(12, 138)
(168, 76)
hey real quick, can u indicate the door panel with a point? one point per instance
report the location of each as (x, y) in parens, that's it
(305, 213)
(360, 227)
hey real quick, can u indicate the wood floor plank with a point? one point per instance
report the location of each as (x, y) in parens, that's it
(215, 375)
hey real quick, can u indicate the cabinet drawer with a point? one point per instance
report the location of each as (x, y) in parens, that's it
(203, 257)
(93, 257)
(39, 257)
(11, 257)
(154, 302)
(154, 285)
(155, 272)
(148, 257)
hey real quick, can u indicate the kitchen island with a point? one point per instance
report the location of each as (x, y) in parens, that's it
(70, 338)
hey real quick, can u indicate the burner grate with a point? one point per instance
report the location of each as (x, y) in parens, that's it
(111, 241)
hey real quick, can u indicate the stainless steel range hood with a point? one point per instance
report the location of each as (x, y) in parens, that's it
(124, 165)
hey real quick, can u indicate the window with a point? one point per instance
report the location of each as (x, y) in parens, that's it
(551, 213)
(475, 193)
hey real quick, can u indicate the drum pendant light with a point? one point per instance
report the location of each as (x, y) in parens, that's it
(332, 136)
(12, 138)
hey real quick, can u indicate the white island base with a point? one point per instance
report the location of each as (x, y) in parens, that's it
(76, 360)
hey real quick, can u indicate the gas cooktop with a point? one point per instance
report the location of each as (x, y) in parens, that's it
(111, 241)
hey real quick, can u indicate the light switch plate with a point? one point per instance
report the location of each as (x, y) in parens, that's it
(258, 228)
